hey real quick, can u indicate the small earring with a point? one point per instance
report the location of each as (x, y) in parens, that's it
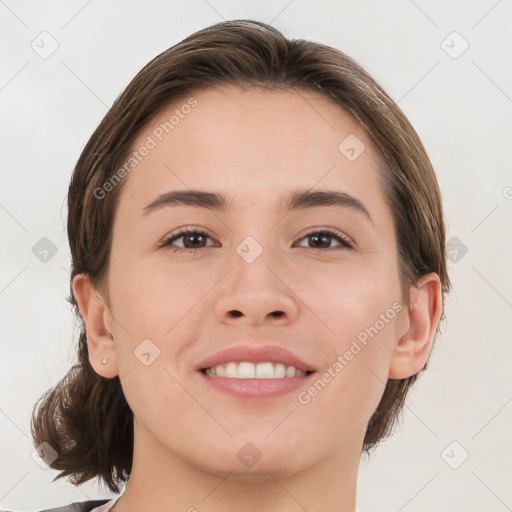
(104, 360)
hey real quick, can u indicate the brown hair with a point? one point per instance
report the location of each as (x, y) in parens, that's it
(86, 418)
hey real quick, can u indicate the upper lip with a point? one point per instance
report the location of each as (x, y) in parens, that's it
(261, 354)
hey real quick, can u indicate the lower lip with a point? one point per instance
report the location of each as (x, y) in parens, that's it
(256, 388)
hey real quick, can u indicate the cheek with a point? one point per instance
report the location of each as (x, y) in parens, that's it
(348, 388)
(151, 298)
(348, 297)
(162, 313)
(357, 312)
(156, 308)
(157, 399)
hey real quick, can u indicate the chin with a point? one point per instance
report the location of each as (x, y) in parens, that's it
(254, 460)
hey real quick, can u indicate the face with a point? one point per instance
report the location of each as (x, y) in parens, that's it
(319, 280)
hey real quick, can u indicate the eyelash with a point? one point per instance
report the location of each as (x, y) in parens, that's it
(345, 242)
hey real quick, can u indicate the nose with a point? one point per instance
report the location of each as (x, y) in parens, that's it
(257, 293)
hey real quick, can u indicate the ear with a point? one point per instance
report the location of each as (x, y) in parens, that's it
(99, 326)
(415, 340)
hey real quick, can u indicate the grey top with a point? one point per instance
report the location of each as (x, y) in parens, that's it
(79, 506)
(82, 506)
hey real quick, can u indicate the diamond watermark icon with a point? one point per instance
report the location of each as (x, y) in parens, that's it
(351, 147)
(454, 45)
(249, 455)
(45, 45)
(146, 352)
(44, 455)
(454, 455)
(249, 250)
(456, 249)
(44, 250)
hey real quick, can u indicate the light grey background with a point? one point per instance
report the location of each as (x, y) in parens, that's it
(461, 106)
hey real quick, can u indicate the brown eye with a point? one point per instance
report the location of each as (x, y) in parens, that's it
(322, 240)
(192, 240)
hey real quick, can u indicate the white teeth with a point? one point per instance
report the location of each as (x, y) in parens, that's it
(280, 370)
(246, 370)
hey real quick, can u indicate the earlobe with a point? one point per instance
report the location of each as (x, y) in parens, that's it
(96, 316)
(413, 346)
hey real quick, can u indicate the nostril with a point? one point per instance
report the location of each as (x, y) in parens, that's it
(235, 312)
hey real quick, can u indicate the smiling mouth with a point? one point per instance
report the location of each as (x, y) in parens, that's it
(248, 370)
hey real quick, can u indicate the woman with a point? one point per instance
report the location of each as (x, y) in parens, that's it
(258, 262)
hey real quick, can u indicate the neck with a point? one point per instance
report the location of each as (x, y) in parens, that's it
(164, 482)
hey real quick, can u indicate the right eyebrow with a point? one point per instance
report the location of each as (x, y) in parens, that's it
(302, 199)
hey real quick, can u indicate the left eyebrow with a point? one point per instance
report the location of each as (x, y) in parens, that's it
(296, 200)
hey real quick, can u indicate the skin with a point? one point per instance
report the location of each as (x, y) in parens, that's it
(255, 146)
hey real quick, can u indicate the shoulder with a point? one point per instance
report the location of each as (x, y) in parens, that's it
(82, 506)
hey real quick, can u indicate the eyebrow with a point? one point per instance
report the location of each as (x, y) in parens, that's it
(296, 200)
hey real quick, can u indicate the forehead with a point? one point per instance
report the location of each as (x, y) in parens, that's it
(250, 142)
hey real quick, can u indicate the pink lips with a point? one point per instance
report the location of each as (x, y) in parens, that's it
(255, 388)
(266, 353)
